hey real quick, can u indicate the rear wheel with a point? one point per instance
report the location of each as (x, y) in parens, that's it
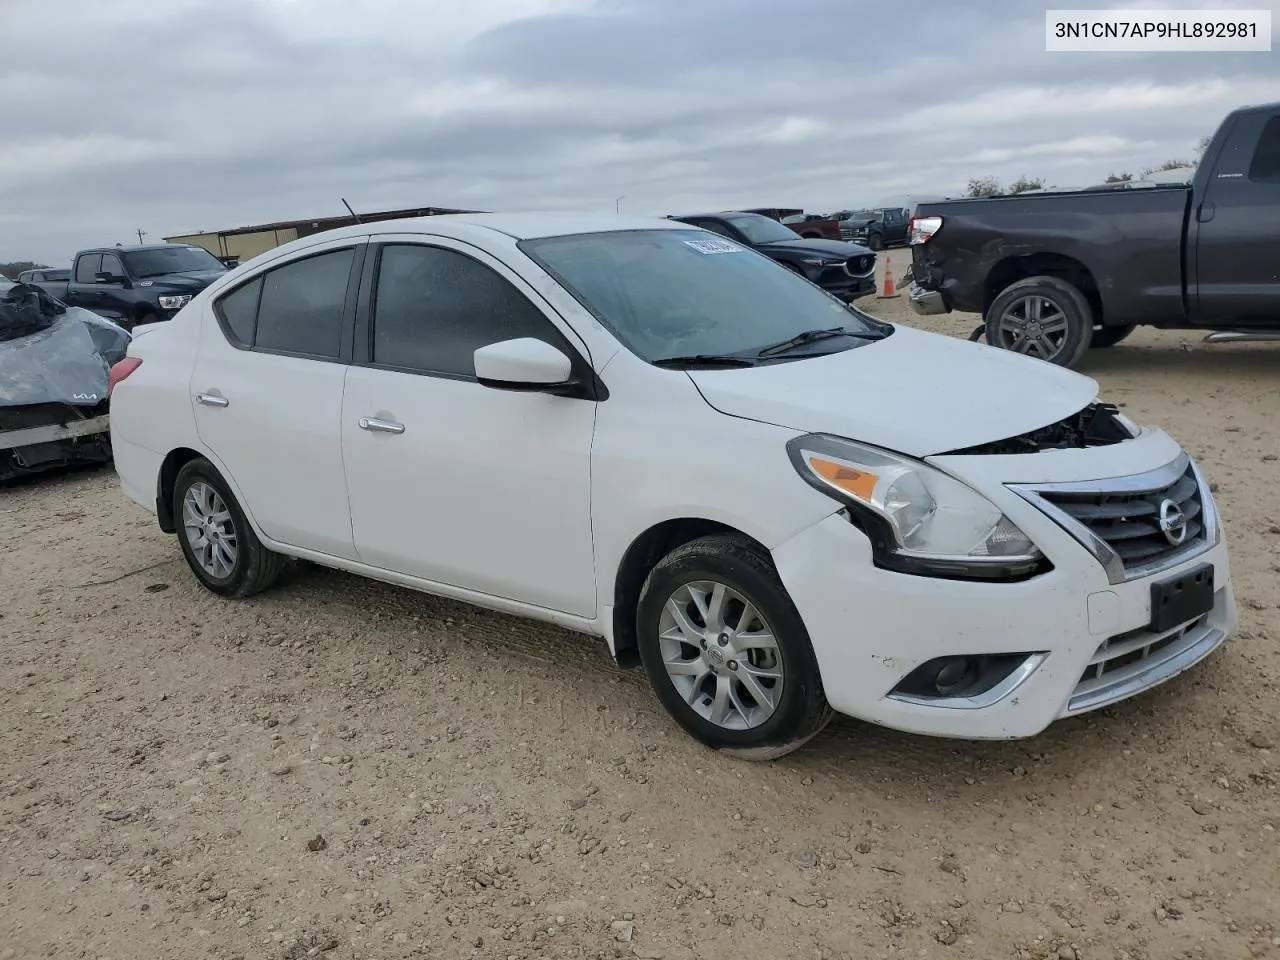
(727, 652)
(219, 545)
(1109, 336)
(1043, 317)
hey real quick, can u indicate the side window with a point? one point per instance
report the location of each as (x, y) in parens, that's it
(111, 264)
(435, 307)
(715, 226)
(1266, 159)
(87, 268)
(239, 312)
(301, 306)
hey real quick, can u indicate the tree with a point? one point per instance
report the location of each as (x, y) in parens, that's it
(1119, 177)
(11, 270)
(984, 187)
(1202, 146)
(1022, 185)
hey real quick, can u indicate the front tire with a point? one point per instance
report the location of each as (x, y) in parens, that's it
(727, 652)
(1043, 317)
(875, 241)
(219, 545)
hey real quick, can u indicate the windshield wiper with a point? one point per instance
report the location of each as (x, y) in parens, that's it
(800, 339)
(704, 360)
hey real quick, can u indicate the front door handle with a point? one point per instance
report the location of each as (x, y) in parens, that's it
(1206, 211)
(380, 426)
(212, 400)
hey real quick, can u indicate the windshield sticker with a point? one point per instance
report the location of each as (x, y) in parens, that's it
(715, 246)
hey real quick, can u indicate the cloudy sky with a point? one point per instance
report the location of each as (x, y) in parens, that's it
(180, 115)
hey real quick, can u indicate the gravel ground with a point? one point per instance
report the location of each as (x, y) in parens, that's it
(342, 769)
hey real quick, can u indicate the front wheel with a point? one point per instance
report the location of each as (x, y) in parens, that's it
(219, 545)
(875, 241)
(1043, 317)
(727, 652)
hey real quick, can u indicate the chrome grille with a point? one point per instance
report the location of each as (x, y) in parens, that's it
(852, 233)
(1130, 523)
(1130, 662)
(860, 266)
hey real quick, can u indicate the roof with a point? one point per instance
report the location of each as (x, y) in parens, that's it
(521, 226)
(329, 223)
(135, 248)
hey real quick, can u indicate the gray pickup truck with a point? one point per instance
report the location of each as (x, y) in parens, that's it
(1055, 273)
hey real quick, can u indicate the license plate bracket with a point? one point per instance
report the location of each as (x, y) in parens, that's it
(1178, 599)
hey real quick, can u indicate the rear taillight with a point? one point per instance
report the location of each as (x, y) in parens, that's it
(121, 369)
(923, 229)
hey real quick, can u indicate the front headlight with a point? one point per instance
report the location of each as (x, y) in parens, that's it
(919, 519)
(821, 262)
(175, 303)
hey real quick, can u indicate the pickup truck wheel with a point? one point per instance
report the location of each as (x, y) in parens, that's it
(875, 241)
(217, 541)
(727, 652)
(1109, 336)
(1042, 317)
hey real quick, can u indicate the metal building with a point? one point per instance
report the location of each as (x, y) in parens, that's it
(241, 243)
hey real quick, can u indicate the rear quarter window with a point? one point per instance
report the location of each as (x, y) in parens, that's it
(1265, 166)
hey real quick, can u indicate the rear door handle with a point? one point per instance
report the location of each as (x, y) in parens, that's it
(212, 400)
(380, 426)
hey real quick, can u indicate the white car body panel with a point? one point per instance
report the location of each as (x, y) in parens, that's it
(528, 503)
(915, 393)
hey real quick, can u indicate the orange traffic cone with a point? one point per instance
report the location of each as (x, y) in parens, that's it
(887, 289)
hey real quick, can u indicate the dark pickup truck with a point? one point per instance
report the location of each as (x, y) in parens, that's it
(878, 229)
(135, 285)
(1054, 274)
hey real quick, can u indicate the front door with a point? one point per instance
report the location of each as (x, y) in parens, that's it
(454, 482)
(267, 394)
(1237, 230)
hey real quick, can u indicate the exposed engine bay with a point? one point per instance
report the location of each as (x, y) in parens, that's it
(1097, 425)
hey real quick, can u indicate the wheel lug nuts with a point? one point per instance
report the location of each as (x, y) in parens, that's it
(723, 639)
(733, 665)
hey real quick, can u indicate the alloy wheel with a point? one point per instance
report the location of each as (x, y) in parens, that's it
(720, 655)
(207, 525)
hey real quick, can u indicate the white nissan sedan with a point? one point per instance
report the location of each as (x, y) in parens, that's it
(778, 505)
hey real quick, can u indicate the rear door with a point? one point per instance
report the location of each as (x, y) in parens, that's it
(113, 297)
(267, 393)
(1236, 230)
(83, 290)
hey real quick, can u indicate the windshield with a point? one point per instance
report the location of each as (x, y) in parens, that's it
(160, 262)
(758, 229)
(680, 293)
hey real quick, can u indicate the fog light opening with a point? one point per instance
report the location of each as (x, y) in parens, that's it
(966, 677)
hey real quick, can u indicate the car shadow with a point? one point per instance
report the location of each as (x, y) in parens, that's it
(1189, 358)
(1096, 746)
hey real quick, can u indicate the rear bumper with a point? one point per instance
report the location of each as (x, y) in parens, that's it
(54, 432)
(926, 303)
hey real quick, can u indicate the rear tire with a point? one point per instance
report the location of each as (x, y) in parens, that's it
(1109, 336)
(1042, 317)
(747, 687)
(219, 545)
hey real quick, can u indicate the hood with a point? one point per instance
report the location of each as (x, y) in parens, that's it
(914, 392)
(858, 221)
(191, 282)
(815, 246)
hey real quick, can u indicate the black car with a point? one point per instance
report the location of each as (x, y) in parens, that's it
(136, 285)
(845, 270)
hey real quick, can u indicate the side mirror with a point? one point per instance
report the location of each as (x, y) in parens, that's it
(525, 364)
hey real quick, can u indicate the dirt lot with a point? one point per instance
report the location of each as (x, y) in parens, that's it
(343, 769)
